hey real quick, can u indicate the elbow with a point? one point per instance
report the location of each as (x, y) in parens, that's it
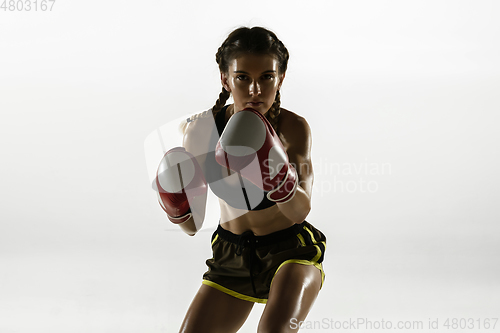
(302, 207)
(191, 226)
(298, 218)
(295, 212)
(308, 209)
(297, 208)
(302, 214)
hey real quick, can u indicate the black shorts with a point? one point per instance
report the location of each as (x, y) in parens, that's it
(244, 265)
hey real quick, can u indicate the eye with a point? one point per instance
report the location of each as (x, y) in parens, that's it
(268, 77)
(241, 77)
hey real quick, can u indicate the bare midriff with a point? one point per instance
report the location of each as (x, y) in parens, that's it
(260, 222)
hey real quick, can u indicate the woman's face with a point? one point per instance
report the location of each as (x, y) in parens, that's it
(253, 80)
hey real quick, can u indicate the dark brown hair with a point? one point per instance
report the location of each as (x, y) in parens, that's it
(256, 40)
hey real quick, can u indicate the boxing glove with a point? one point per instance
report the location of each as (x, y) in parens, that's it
(250, 146)
(179, 178)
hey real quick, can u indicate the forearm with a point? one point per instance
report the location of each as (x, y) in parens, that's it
(298, 207)
(194, 223)
(189, 227)
(182, 189)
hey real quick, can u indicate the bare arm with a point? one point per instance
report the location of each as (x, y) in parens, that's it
(297, 134)
(196, 141)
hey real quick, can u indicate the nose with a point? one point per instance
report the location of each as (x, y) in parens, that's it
(255, 88)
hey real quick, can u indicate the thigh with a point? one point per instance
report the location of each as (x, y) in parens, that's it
(214, 311)
(292, 294)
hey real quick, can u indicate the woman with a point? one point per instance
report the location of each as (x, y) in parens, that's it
(264, 250)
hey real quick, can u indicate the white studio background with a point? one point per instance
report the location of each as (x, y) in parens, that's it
(402, 100)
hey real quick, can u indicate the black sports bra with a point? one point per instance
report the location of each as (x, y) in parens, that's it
(243, 195)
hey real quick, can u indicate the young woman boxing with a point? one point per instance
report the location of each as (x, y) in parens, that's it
(256, 157)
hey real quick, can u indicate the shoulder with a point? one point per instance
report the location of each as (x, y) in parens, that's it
(199, 123)
(294, 129)
(196, 120)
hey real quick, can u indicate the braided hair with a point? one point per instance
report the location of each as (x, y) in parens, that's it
(256, 40)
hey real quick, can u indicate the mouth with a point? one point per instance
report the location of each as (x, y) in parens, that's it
(254, 104)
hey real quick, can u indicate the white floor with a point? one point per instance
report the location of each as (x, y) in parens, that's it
(145, 285)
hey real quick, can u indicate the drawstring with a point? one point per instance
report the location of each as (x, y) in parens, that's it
(247, 239)
(251, 242)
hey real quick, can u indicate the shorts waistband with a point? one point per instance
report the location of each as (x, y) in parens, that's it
(259, 241)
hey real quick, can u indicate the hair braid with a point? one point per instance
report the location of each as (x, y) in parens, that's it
(221, 101)
(274, 112)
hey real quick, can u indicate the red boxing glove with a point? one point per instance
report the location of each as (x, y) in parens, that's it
(249, 145)
(179, 179)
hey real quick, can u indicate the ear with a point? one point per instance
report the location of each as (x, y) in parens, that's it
(224, 81)
(281, 78)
